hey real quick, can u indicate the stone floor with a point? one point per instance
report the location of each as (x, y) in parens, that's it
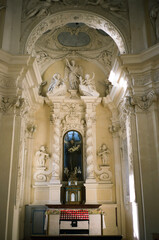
(68, 237)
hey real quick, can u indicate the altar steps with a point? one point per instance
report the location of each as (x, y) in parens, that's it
(76, 237)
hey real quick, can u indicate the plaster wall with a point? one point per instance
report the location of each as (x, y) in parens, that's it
(146, 137)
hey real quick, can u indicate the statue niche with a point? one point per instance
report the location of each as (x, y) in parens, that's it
(73, 190)
(73, 160)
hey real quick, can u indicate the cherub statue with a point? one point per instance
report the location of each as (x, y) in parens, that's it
(103, 153)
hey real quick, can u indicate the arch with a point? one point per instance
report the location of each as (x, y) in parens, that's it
(62, 18)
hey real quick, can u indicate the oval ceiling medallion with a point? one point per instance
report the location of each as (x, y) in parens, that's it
(73, 40)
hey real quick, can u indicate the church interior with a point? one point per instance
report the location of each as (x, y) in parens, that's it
(79, 119)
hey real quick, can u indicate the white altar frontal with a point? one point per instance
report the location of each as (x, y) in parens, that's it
(74, 221)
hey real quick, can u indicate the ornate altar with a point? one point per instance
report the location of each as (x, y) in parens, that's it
(73, 220)
(73, 173)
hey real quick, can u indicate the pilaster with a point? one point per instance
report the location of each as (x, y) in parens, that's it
(143, 99)
(12, 26)
(147, 122)
(114, 129)
(138, 31)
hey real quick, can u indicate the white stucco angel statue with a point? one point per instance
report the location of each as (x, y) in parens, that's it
(87, 85)
(56, 81)
(57, 86)
(89, 81)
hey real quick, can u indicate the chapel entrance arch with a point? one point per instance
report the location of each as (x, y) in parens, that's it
(60, 19)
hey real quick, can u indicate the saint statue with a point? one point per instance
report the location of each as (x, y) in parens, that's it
(41, 156)
(103, 153)
(72, 74)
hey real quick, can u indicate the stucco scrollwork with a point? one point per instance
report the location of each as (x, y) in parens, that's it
(38, 10)
(30, 129)
(6, 82)
(127, 105)
(42, 8)
(144, 101)
(114, 128)
(72, 120)
(126, 108)
(104, 174)
(7, 104)
(141, 79)
(36, 33)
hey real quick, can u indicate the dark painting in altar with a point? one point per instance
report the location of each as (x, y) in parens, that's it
(73, 167)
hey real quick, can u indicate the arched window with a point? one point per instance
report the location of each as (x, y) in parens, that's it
(73, 156)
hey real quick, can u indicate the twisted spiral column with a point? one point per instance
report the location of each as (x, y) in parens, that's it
(89, 148)
(56, 150)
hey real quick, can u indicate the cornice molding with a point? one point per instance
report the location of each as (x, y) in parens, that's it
(143, 61)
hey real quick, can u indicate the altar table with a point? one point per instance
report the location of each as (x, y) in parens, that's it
(74, 221)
